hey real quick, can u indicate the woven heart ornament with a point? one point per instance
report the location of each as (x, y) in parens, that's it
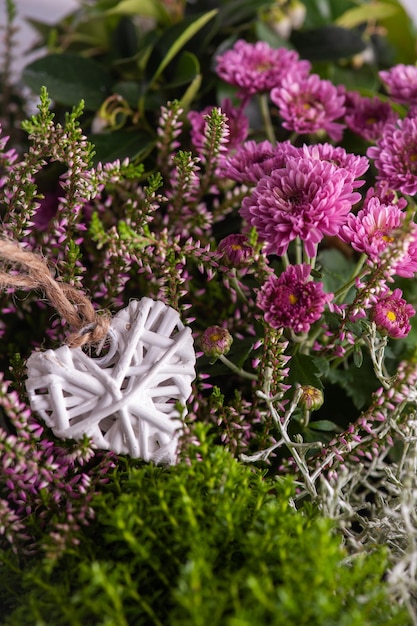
(126, 401)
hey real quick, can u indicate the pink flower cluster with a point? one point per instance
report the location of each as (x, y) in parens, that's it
(308, 193)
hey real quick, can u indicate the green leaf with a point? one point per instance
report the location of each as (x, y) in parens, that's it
(190, 93)
(357, 356)
(325, 425)
(327, 43)
(364, 13)
(187, 34)
(321, 12)
(358, 383)
(305, 371)
(119, 145)
(238, 12)
(400, 33)
(129, 91)
(146, 8)
(265, 33)
(337, 269)
(186, 69)
(69, 78)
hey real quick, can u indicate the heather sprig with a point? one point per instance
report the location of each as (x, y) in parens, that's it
(169, 128)
(47, 487)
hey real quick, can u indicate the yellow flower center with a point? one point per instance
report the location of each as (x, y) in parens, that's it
(391, 316)
(265, 66)
(236, 246)
(292, 298)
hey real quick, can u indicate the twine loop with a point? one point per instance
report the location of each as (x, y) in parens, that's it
(22, 269)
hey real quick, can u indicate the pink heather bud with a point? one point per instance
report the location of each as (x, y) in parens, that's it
(311, 398)
(236, 251)
(216, 341)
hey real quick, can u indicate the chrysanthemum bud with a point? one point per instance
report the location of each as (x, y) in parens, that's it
(236, 251)
(311, 398)
(216, 341)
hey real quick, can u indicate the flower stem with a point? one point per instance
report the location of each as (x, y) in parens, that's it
(236, 369)
(340, 293)
(266, 117)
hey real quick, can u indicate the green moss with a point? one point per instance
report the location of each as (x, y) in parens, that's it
(211, 542)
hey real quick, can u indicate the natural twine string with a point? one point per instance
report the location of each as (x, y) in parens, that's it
(22, 269)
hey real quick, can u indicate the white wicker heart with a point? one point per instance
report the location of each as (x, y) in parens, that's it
(126, 401)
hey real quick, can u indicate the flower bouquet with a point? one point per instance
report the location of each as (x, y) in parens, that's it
(208, 392)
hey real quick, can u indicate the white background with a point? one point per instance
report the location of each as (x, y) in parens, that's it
(52, 10)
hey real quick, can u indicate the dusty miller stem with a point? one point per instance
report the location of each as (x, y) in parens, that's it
(282, 428)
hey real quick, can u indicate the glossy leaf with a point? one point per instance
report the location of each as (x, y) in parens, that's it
(69, 78)
(191, 92)
(186, 69)
(327, 43)
(400, 33)
(321, 12)
(189, 32)
(129, 90)
(146, 8)
(120, 144)
(364, 13)
(239, 11)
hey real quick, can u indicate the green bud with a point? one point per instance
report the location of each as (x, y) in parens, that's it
(311, 398)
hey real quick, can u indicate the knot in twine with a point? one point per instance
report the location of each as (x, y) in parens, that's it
(22, 269)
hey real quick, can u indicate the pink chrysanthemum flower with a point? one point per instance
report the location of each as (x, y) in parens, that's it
(292, 300)
(395, 156)
(237, 123)
(374, 228)
(367, 117)
(406, 266)
(391, 314)
(252, 161)
(385, 194)
(401, 83)
(370, 231)
(257, 68)
(310, 105)
(308, 199)
(354, 165)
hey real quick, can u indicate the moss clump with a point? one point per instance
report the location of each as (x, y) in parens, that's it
(210, 542)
